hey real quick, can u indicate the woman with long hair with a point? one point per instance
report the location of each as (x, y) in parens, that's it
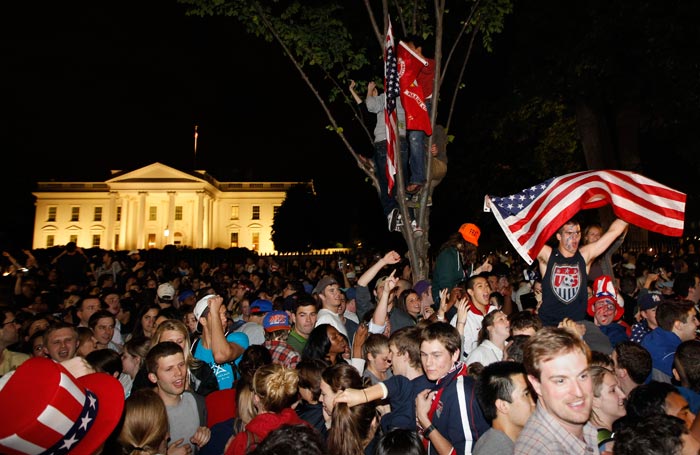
(495, 330)
(457, 259)
(351, 429)
(134, 361)
(326, 343)
(146, 321)
(275, 390)
(334, 380)
(409, 304)
(145, 428)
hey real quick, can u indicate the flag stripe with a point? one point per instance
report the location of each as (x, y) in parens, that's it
(391, 93)
(529, 218)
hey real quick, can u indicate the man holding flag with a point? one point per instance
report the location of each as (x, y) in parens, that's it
(565, 271)
(530, 217)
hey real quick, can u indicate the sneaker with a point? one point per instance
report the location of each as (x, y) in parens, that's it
(394, 220)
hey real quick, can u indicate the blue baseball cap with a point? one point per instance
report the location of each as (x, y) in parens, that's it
(260, 306)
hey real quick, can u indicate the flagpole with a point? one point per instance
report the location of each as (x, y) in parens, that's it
(196, 134)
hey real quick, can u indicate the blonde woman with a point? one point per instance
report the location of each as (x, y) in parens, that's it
(145, 428)
(275, 390)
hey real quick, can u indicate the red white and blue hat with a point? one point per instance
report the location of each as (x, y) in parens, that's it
(48, 411)
(604, 289)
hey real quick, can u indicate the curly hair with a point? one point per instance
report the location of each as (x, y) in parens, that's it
(276, 387)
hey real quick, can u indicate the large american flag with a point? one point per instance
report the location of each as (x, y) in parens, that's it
(530, 217)
(391, 93)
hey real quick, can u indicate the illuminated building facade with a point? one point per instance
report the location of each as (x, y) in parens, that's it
(155, 206)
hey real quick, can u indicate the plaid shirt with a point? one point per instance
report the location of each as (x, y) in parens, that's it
(544, 435)
(283, 353)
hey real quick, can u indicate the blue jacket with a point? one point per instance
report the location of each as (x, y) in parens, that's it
(662, 345)
(615, 332)
(458, 416)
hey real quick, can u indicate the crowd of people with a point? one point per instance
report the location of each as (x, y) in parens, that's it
(592, 350)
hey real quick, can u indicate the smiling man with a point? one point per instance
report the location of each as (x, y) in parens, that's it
(557, 362)
(478, 290)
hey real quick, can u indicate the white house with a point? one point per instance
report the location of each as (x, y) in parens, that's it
(155, 206)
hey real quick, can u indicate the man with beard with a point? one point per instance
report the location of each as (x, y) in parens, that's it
(565, 271)
(557, 363)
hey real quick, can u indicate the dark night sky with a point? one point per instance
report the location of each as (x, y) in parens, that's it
(99, 86)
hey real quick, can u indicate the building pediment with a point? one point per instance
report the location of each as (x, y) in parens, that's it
(155, 173)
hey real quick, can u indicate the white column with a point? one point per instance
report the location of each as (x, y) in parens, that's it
(207, 222)
(111, 218)
(199, 220)
(171, 218)
(141, 222)
(125, 225)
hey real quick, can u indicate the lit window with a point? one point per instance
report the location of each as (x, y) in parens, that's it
(256, 241)
(152, 213)
(234, 240)
(234, 212)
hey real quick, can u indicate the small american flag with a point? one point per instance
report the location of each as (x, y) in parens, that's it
(530, 217)
(391, 93)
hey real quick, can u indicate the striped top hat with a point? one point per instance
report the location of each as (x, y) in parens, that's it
(48, 411)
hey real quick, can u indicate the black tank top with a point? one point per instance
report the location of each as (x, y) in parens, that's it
(564, 289)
